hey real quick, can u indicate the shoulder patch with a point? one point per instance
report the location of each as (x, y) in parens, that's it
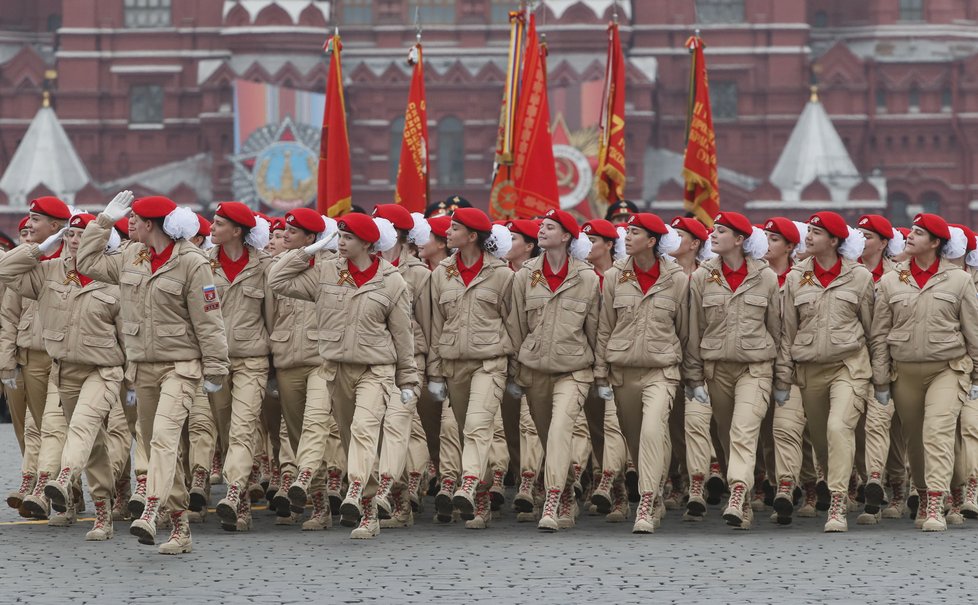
(210, 298)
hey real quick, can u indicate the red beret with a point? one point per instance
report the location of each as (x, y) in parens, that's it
(359, 225)
(472, 218)
(306, 219)
(80, 221)
(968, 233)
(524, 227)
(831, 222)
(904, 231)
(51, 206)
(205, 226)
(736, 221)
(601, 228)
(276, 224)
(932, 224)
(155, 206)
(237, 213)
(565, 220)
(122, 226)
(877, 224)
(440, 224)
(23, 223)
(398, 216)
(691, 226)
(783, 227)
(648, 221)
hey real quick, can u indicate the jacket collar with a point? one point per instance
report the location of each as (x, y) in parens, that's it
(714, 267)
(376, 282)
(254, 263)
(667, 273)
(489, 264)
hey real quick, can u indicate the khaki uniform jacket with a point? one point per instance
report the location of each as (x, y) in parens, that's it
(642, 330)
(21, 329)
(246, 304)
(554, 332)
(418, 278)
(825, 325)
(369, 325)
(938, 322)
(11, 310)
(78, 324)
(171, 315)
(469, 322)
(294, 337)
(742, 326)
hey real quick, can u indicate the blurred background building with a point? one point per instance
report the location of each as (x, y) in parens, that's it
(205, 100)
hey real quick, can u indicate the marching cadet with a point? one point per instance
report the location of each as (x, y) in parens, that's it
(553, 326)
(174, 338)
(885, 447)
(87, 360)
(404, 447)
(734, 326)
(925, 322)
(641, 338)
(467, 360)
(825, 349)
(366, 341)
(239, 265)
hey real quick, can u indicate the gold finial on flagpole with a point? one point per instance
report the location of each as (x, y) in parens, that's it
(814, 90)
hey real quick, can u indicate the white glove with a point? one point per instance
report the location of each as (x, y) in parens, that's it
(120, 206)
(973, 392)
(52, 243)
(883, 396)
(10, 378)
(605, 392)
(315, 247)
(700, 394)
(438, 390)
(688, 392)
(130, 398)
(514, 390)
(781, 397)
(213, 384)
(407, 396)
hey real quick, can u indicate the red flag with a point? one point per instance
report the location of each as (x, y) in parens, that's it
(334, 190)
(412, 170)
(700, 162)
(611, 157)
(534, 170)
(502, 197)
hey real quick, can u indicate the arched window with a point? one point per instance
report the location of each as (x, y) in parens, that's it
(899, 204)
(394, 155)
(930, 202)
(451, 152)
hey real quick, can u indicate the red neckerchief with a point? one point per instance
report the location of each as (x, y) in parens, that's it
(784, 276)
(555, 279)
(468, 273)
(57, 253)
(647, 279)
(158, 260)
(84, 279)
(396, 262)
(600, 279)
(232, 267)
(878, 271)
(362, 277)
(734, 277)
(825, 276)
(922, 275)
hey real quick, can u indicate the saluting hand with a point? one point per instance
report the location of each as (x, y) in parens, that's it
(120, 206)
(52, 243)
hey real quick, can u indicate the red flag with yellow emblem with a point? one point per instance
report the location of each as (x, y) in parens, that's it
(334, 190)
(611, 157)
(702, 197)
(412, 169)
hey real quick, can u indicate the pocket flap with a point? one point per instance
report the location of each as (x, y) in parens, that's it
(448, 296)
(380, 299)
(537, 302)
(804, 338)
(943, 337)
(130, 279)
(246, 334)
(569, 349)
(757, 301)
(102, 296)
(169, 286)
(280, 336)
(330, 335)
(130, 328)
(664, 303)
(715, 300)
(619, 344)
(98, 341)
(711, 344)
(252, 292)
(53, 335)
(625, 302)
(447, 338)
(171, 330)
(945, 296)
(577, 306)
(898, 337)
(487, 296)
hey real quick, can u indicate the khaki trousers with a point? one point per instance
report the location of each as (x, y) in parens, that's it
(644, 398)
(88, 394)
(531, 449)
(615, 456)
(834, 400)
(555, 401)
(295, 387)
(699, 441)
(677, 434)
(285, 456)
(17, 406)
(740, 394)
(53, 431)
(32, 446)
(928, 397)
(787, 435)
(118, 439)
(475, 389)
(509, 410)
(966, 454)
(236, 408)
(357, 396)
(36, 373)
(165, 392)
(201, 432)
(449, 444)
(581, 439)
(499, 449)
(886, 449)
(417, 453)
(140, 462)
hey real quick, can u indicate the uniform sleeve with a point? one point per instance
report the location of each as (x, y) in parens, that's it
(877, 350)
(969, 324)
(21, 270)
(207, 324)
(10, 312)
(268, 308)
(291, 276)
(606, 325)
(773, 318)
(516, 326)
(784, 367)
(506, 304)
(422, 307)
(91, 259)
(881, 325)
(402, 332)
(693, 361)
(682, 313)
(437, 323)
(593, 311)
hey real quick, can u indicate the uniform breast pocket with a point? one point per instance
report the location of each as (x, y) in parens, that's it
(488, 301)
(57, 295)
(572, 312)
(169, 288)
(376, 308)
(715, 308)
(130, 284)
(902, 307)
(664, 309)
(448, 301)
(534, 311)
(625, 306)
(844, 308)
(755, 307)
(945, 309)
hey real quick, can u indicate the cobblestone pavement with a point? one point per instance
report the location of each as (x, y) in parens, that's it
(510, 563)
